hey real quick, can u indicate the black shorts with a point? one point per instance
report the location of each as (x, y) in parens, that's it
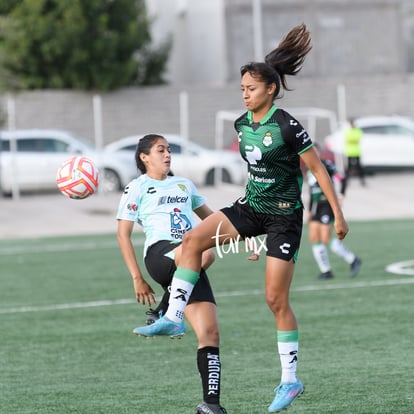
(322, 212)
(161, 268)
(283, 232)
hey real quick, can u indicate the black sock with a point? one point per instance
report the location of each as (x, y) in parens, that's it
(163, 304)
(209, 367)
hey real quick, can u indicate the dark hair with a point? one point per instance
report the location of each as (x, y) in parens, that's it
(144, 146)
(286, 59)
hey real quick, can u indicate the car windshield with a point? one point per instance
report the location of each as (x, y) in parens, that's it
(388, 129)
(44, 144)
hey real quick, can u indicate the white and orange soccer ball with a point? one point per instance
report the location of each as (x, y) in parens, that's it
(78, 177)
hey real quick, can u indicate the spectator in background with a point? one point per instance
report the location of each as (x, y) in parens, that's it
(353, 137)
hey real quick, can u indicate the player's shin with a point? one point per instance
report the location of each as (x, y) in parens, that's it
(181, 287)
(288, 345)
(209, 367)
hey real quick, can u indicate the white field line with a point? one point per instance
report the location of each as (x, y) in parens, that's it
(62, 247)
(306, 288)
(401, 268)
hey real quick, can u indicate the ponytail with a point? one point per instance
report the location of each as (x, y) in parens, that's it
(286, 59)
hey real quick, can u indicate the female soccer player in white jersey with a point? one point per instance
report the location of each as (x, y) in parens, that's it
(272, 142)
(164, 206)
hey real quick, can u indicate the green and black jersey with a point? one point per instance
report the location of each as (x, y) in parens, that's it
(272, 148)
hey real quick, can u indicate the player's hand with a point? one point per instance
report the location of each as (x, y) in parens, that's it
(144, 292)
(341, 228)
(254, 257)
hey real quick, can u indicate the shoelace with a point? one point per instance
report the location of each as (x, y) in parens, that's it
(151, 312)
(281, 388)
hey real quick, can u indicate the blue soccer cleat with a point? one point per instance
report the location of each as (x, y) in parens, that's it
(285, 394)
(162, 327)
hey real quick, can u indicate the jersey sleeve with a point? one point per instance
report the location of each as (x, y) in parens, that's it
(197, 200)
(128, 205)
(294, 134)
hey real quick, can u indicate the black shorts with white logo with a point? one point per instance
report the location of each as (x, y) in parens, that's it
(283, 232)
(322, 212)
(161, 268)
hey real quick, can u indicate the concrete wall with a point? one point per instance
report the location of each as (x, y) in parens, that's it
(212, 39)
(197, 29)
(156, 109)
(365, 45)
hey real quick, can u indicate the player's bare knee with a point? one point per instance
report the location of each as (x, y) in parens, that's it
(209, 337)
(276, 303)
(191, 242)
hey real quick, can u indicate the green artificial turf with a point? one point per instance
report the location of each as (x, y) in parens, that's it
(67, 312)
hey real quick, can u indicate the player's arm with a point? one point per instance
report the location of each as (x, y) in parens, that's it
(143, 291)
(313, 162)
(203, 211)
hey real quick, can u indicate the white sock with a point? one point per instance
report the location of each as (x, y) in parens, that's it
(179, 296)
(342, 251)
(320, 253)
(182, 286)
(288, 359)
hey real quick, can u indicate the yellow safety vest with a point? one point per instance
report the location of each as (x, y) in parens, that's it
(353, 137)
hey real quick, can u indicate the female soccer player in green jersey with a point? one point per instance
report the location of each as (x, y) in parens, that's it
(164, 206)
(320, 219)
(272, 142)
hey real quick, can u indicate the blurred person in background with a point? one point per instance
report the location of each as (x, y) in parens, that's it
(320, 219)
(164, 206)
(353, 136)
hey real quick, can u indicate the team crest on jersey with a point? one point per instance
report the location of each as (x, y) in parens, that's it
(180, 224)
(267, 140)
(182, 187)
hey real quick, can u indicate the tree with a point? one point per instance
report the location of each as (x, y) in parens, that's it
(78, 44)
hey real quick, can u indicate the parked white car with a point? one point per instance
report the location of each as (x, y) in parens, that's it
(388, 142)
(39, 154)
(191, 160)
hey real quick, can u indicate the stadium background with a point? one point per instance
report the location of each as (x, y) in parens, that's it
(363, 48)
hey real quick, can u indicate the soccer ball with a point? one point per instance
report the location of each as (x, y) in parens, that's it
(77, 177)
